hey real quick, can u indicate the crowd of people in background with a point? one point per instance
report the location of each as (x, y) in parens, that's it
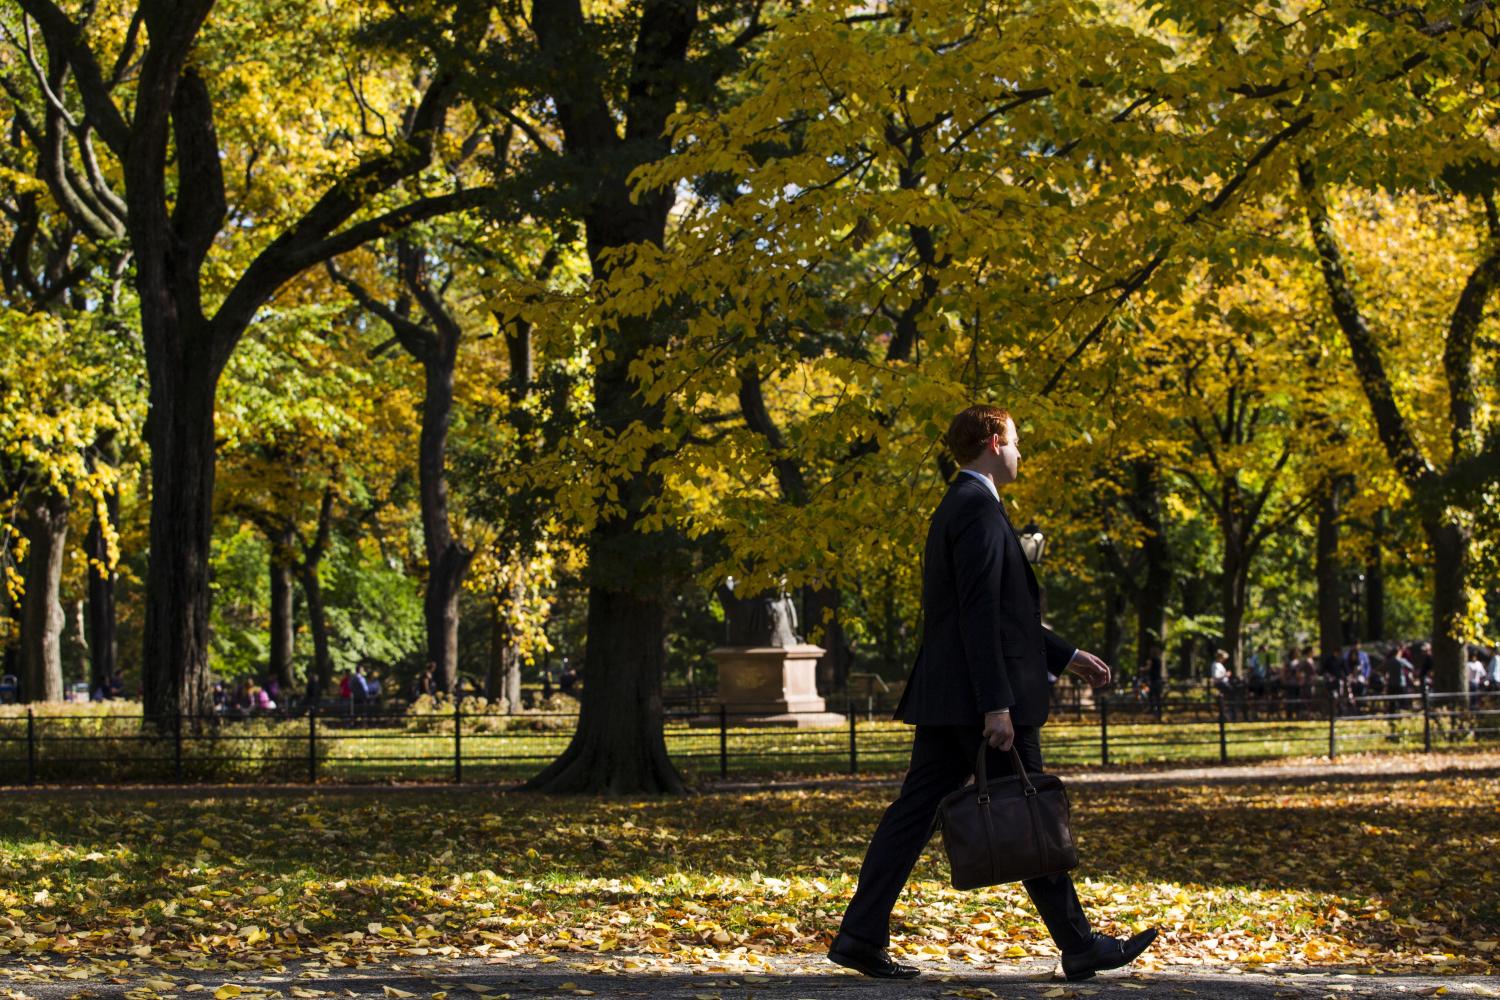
(1397, 670)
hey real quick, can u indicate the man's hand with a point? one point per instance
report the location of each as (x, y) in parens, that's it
(1088, 666)
(998, 732)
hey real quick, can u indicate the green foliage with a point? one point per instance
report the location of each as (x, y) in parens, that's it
(374, 609)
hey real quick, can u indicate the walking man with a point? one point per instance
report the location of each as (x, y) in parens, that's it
(983, 675)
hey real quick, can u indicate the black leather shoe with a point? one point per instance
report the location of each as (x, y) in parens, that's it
(1107, 953)
(860, 957)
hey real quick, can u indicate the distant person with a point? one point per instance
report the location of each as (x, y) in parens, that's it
(1218, 673)
(1357, 669)
(1476, 670)
(567, 680)
(1257, 676)
(426, 682)
(1424, 665)
(1291, 682)
(1493, 669)
(359, 686)
(261, 700)
(1155, 678)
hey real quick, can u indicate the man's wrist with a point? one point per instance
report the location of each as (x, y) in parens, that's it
(998, 711)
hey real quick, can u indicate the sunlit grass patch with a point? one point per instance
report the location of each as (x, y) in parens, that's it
(1396, 871)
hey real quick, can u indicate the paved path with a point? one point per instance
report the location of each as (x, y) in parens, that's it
(807, 977)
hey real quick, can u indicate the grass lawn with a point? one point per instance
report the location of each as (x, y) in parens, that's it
(114, 748)
(1378, 870)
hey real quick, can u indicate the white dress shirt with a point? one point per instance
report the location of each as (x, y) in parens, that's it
(989, 483)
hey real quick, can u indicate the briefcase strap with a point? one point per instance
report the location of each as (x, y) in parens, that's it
(982, 778)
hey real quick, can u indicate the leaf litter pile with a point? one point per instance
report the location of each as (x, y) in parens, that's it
(1394, 874)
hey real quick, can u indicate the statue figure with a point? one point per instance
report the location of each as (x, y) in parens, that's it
(766, 619)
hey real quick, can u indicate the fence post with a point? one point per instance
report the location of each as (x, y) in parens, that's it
(177, 745)
(312, 745)
(458, 740)
(1426, 720)
(1223, 735)
(723, 741)
(30, 745)
(1104, 731)
(1333, 718)
(853, 740)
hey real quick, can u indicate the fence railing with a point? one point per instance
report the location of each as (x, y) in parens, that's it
(461, 745)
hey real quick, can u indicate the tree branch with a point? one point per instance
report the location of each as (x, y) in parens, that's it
(99, 107)
(1394, 432)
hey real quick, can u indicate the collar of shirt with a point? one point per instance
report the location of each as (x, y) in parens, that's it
(988, 483)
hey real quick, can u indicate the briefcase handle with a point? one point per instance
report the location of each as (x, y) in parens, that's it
(982, 778)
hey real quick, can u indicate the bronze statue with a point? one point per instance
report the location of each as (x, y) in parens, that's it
(765, 619)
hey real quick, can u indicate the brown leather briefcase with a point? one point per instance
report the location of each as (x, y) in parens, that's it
(1008, 829)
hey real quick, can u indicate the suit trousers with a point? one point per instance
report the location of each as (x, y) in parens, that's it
(942, 760)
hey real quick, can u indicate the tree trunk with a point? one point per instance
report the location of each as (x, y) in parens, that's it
(1192, 592)
(103, 627)
(1116, 604)
(283, 622)
(180, 431)
(1450, 556)
(1233, 597)
(321, 681)
(1329, 572)
(504, 679)
(618, 748)
(447, 560)
(45, 523)
(832, 671)
(1375, 579)
(1151, 601)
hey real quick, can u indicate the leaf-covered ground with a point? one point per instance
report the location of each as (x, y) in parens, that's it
(1387, 871)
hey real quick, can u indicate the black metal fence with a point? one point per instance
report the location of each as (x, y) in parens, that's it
(462, 745)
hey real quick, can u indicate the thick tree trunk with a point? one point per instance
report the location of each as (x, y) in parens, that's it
(321, 681)
(1450, 556)
(180, 431)
(283, 622)
(1329, 572)
(45, 524)
(618, 748)
(103, 627)
(1375, 579)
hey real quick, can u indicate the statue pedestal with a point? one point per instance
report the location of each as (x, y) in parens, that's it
(770, 686)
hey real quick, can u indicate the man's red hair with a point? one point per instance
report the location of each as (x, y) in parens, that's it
(972, 429)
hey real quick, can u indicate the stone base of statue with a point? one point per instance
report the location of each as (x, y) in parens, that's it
(769, 686)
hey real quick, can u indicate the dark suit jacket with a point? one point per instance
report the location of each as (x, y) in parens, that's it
(983, 644)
